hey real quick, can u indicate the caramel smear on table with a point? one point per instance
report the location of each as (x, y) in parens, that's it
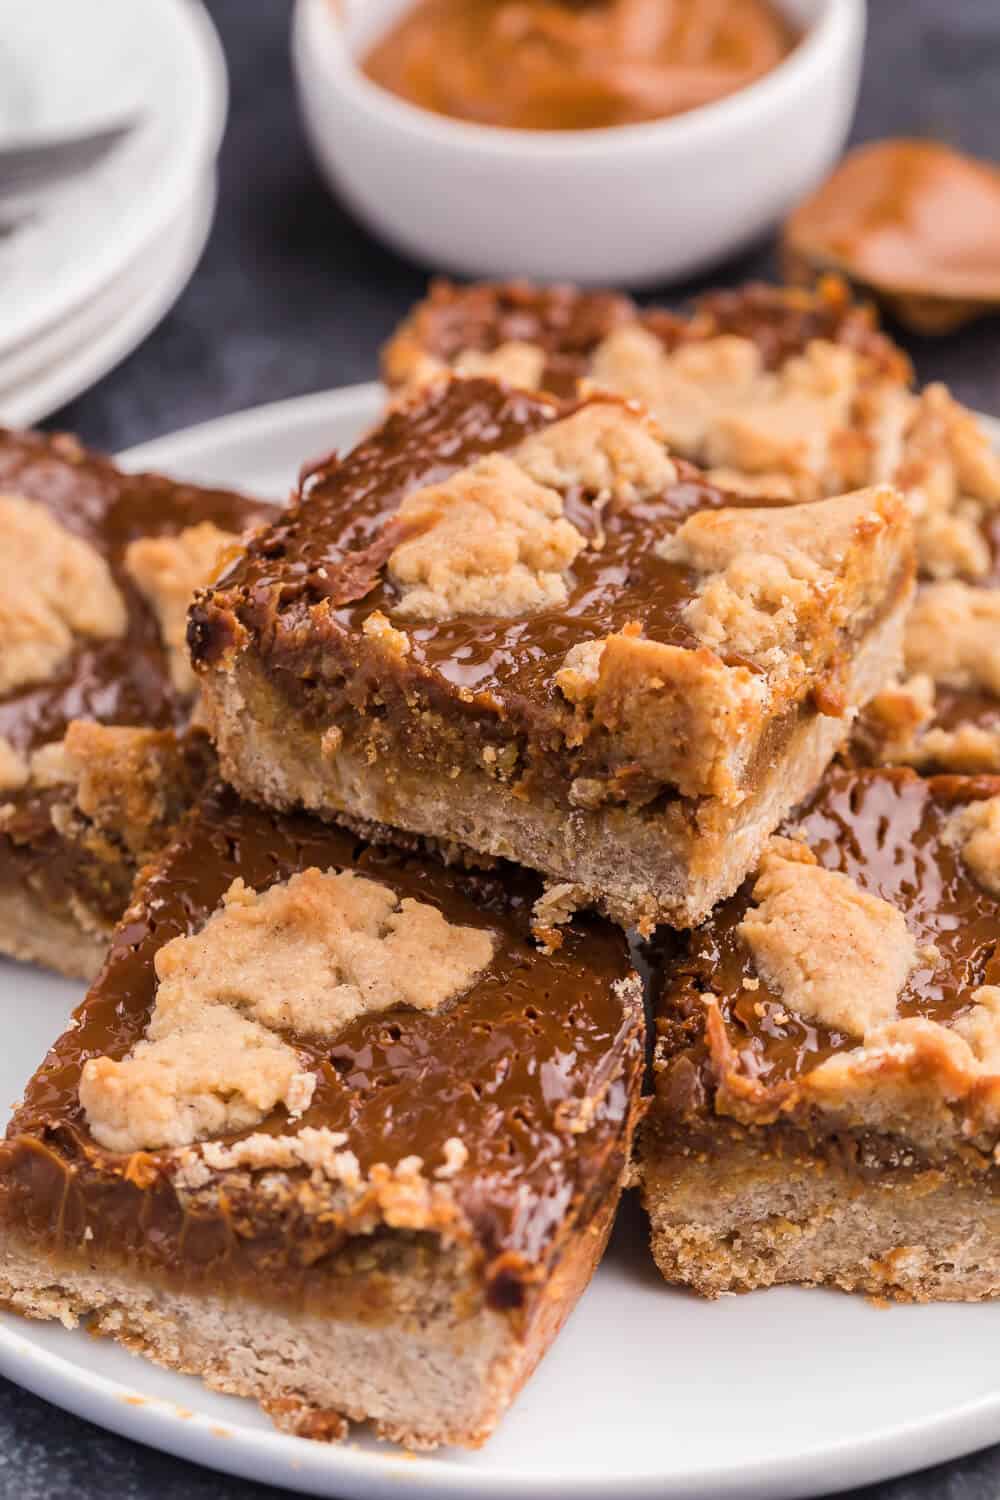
(914, 221)
(576, 64)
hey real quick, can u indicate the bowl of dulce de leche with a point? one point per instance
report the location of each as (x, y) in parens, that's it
(587, 140)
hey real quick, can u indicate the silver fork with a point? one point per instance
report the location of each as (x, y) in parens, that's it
(34, 166)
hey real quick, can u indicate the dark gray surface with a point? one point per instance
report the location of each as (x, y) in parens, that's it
(293, 297)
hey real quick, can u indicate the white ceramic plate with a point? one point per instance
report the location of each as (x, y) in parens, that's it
(41, 377)
(648, 1392)
(66, 66)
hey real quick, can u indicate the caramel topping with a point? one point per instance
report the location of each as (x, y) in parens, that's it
(888, 832)
(910, 218)
(576, 64)
(335, 545)
(122, 680)
(506, 1068)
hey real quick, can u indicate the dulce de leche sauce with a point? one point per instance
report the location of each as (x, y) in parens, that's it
(908, 215)
(576, 64)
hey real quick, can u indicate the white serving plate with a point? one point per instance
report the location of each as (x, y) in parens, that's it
(648, 1392)
(42, 376)
(67, 66)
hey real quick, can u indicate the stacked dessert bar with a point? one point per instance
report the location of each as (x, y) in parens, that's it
(343, 1121)
(97, 758)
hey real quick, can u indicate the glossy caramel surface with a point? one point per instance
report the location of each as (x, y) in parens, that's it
(569, 323)
(306, 586)
(503, 1068)
(576, 64)
(124, 681)
(907, 216)
(882, 828)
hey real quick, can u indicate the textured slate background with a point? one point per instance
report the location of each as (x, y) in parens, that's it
(293, 297)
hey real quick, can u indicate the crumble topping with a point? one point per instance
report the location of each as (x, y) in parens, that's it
(57, 589)
(766, 568)
(308, 955)
(515, 362)
(312, 953)
(910, 1074)
(200, 1071)
(609, 449)
(950, 475)
(489, 540)
(953, 635)
(835, 954)
(897, 731)
(167, 570)
(754, 486)
(789, 420)
(685, 389)
(577, 677)
(377, 628)
(975, 831)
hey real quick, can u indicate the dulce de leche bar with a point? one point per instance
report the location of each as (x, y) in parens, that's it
(519, 626)
(329, 1130)
(827, 1071)
(95, 686)
(773, 390)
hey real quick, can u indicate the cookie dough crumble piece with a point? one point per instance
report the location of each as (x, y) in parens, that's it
(489, 540)
(606, 448)
(312, 953)
(515, 363)
(394, 642)
(577, 678)
(770, 573)
(57, 591)
(975, 831)
(168, 570)
(790, 425)
(953, 636)
(200, 1071)
(684, 389)
(835, 953)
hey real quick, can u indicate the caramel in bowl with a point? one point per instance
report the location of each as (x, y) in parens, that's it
(576, 64)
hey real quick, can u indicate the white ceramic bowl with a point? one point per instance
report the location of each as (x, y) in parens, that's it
(636, 204)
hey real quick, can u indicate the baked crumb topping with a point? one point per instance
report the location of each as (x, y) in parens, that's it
(686, 389)
(975, 831)
(57, 591)
(168, 570)
(515, 362)
(489, 540)
(307, 956)
(613, 452)
(770, 570)
(200, 1071)
(953, 636)
(311, 954)
(835, 953)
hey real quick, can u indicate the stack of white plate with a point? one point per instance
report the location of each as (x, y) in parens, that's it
(95, 265)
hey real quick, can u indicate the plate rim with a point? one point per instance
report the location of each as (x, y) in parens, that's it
(312, 1468)
(199, 40)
